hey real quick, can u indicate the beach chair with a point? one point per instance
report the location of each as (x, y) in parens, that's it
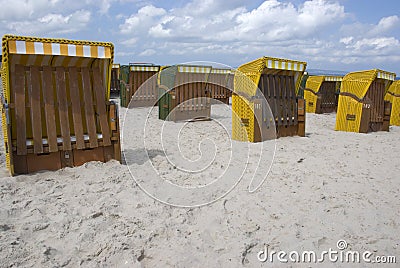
(218, 84)
(133, 77)
(393, 96)
(183, 93)
(278, 81)
(321, 93)
(362, 107)
(56, 111)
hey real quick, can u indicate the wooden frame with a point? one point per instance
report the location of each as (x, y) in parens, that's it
(278, 80)
(140, 86)
(362, 107)
(56, 111)
(189, 98)
(220, 84)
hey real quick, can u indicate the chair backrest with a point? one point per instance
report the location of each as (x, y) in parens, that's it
(219, 81)
(139, 91)
(278, 80)
(55, 102)
(183, 89)
(361, 105)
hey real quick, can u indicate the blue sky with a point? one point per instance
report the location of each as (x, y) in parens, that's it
(343, 35)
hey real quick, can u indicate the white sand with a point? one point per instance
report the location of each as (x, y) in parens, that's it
(322, 188)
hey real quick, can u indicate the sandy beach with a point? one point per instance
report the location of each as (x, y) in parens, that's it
(324, 187)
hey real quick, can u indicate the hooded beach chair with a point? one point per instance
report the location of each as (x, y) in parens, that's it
(321, 93)
(278, 80)
(139, 85)
(362, 107)
(183, 93)
(56, 110)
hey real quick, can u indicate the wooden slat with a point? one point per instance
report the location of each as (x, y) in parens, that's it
(183, 89)
(99, 90)
(264, 89)
(130, 87)
(280, 103)
(76, 107)
(36, 113)
(185, 95)
(146, 88)
(193, 91)
(271, 100)
(89, 109)
(20, 112)
(195, 103)
(137, 77)
(285, 88)
(290, 98)
(137, 80)
(49, 111)
(198, 96)
(295, 104)
(282, 99)
(291, 93)
(149, 86)
(63, 108)
(191, 88)
(276, 99)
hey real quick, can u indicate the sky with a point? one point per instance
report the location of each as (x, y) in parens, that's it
(345, 35)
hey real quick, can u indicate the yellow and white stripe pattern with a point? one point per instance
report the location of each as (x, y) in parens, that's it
(57, 49)
(333, 78)
(283, 64)
(385, 75)
(141, 68)
(194, 69)
(116, 65)
(220, 71)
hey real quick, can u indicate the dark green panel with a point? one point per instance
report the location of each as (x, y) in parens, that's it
(124, 80)
(167, 82)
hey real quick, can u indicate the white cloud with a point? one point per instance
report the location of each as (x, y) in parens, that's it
(346, 40)
(105, 6)
(52, 23)
(385, 25)
(370, 43)
(129, 42)
(158, 31)
(374, 43)
(142, 20)
(235, 31)
(311, 31)
(39, 17)
(23, 9)
(201, 20)
(148, 52)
